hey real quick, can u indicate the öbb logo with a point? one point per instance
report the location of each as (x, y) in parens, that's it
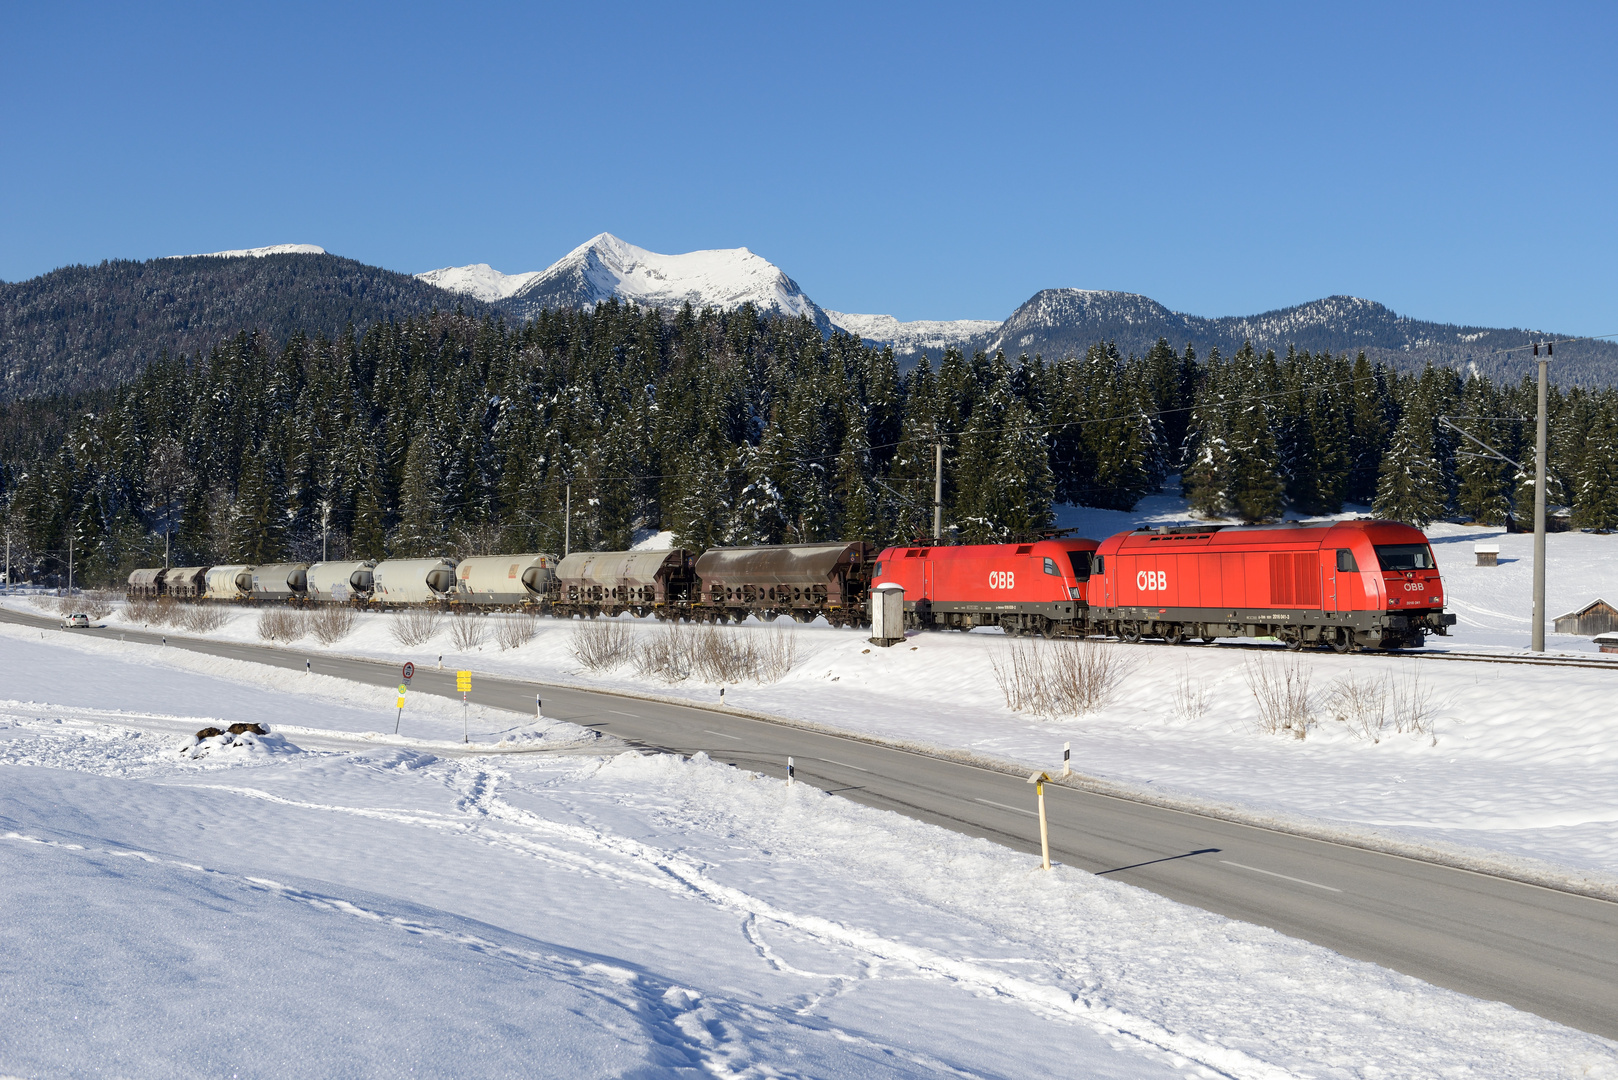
(1003, 579)
(1152, 580)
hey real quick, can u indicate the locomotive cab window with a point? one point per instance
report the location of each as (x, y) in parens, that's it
(1405, 557)
(1098, 565)
(1345, 561)
(1050, 568)
(876, 573)
(1081, 564)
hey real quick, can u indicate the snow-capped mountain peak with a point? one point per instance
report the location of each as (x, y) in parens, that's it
(911, 337)
(258, 252)
(479, 280)
(606, 266)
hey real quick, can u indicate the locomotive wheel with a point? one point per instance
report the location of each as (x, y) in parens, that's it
(1130, 633)
(1344, 641)
(1175, 635)
(1049, 629)
(1293, 643)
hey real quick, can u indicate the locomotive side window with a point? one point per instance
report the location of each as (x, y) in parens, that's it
(1081, 564)
(1404, 557)
(1099, 565)
(878, 571)
(1050, 568)
(1345, 561)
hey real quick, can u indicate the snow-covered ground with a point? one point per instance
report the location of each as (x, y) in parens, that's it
(1520, 764)
(311, 904)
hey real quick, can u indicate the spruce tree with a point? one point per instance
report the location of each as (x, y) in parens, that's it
(1411, 486)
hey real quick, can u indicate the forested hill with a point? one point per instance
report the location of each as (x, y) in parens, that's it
(1065, 322)
(447, 433)
(82, 328)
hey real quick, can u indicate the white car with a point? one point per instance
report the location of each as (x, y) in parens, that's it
(78, 620)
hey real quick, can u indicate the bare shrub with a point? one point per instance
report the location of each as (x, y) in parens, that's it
(600, 644)
(1061, 678)
(142, 611)
(414, 626)
(1190, 697)
(97, 604)
(666, 653)
(466, 631)
(1281, 689)
(777, 654)
(200, 618)
(676, 652)
(515, 631)
(332, 622)
(1371, 708)
(280, 624)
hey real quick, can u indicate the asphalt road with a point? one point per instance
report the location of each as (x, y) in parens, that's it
(1550, 953)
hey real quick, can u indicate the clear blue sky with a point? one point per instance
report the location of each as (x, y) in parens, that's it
(932, 161)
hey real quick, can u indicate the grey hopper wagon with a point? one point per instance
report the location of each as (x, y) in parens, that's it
(186, 582)
(488, 581)
(340, 582)
(610, 582)
(801, 580)
(147, 584)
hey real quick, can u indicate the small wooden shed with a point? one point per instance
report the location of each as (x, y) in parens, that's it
(1488, 554)
(1596, 617)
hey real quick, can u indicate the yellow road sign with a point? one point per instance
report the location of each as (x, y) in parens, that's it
(401, 702)
(463, 681)
(401, 689)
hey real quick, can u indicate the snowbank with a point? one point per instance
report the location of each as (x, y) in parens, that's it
(388, 911)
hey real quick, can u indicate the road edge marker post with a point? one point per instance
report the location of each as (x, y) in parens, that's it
(1067, 759)
(792, 772)
(539, 713)
(1038, 780)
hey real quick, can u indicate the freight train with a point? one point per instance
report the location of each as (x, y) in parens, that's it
(1341, 585)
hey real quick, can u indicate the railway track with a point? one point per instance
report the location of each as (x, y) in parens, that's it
(1425, 654)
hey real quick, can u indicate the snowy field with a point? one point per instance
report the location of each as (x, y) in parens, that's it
(321, 901)
(1517, 764)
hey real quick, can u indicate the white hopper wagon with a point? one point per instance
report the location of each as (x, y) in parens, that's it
(396, 582)
(504, 580)
(340, 582)
(230, 582)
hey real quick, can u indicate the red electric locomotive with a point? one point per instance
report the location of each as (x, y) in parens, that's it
(1022, 588)
(1372, 584)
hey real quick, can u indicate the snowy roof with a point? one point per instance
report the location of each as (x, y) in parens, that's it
(1587, 608)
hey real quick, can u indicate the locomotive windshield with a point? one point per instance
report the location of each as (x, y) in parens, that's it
(1405, 557)
(1081, 564)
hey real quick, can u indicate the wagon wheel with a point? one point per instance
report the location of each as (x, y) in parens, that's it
(1344, 641)
(1175, 634)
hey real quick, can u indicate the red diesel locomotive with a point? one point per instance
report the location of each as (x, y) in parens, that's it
(1033, 588)
(1365, 584)
(1372, 584)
